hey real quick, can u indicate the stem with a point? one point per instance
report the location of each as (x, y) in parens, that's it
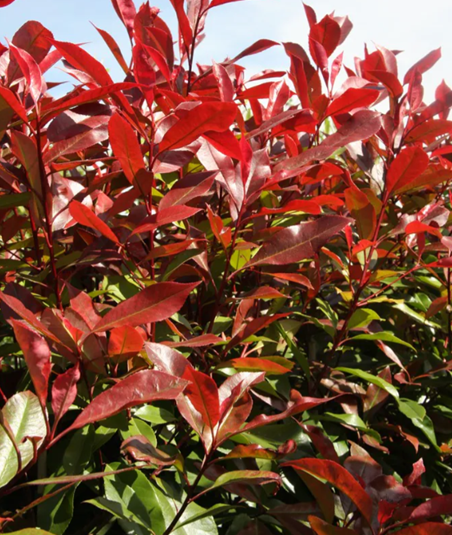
(449, 313)
(188, 499)
(226, 271)
(191, 56)
(35, 241)
(12, 438)
(48, 232)
(363, 281)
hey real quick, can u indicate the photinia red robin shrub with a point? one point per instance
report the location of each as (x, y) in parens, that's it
(226, 300)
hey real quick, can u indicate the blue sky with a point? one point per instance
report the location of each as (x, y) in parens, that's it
(397, 24)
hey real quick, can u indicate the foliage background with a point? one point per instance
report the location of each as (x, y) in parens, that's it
(226, 301)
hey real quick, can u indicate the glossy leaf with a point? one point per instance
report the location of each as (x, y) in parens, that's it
(37, 356)
(141, 387)
(335, 474)
(24, 416)
(125, 146)
(64, 391)
(209, 116)
(155, 303)
(248, 477)
(323, 528)
(298, 242)
(83, 215)
(408, 165)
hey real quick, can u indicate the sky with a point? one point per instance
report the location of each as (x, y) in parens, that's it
(405, 25)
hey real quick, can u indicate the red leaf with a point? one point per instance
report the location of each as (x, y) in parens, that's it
(166, 359)
(80, 142)
(338, 476)
(114, 47)
(390, 80)
(429, 528)
(126, 12)
(124, 341)
(423, 64)
(429, 130)
(25, 150)
(438, 506)
(37, 356)
(17, 306)
(308, 207)
(225, 87)
(296, 405)
(321, 442)
(80, 59)
(64, 392)
(89, 95)
(30, 70)
(208, 116)
(32, 37)
(215, 3)
(164, 217)
(257, 365)
(264, 292)
(82, 305)
(407, 166)
(362, 210)
(187, 189)
(310, 15)
(184, 23)
(10, 98)
(327, 32)
(83, 215)
(251, 451)
(203, 394)
(278, 97)
(4, 3)
(225, 142)
(253, 327)
(125, 146)
(418, 469)
(141, 387)
(362, 125)
(297, 278)
(319, 56)
(324, 528)
(258, 91)
(351, 99)
(255, 48)
(160, 61)
(155, 303)
(198, 341)
(298, 242)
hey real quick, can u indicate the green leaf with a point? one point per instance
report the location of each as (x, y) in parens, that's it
(212, 511)
(154, 415)
(138, 427)
(249, 477)
(139, 503)
(30, 531)
(418, 318)
(301, 359)
(378, 381)
(24, 415)
(13, 201)
(117, 509)
(419, 418)
(353, 420)
(55, 514)
(383, 336)
(362, 317)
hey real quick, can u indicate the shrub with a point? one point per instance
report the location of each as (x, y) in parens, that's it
(226, 301)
